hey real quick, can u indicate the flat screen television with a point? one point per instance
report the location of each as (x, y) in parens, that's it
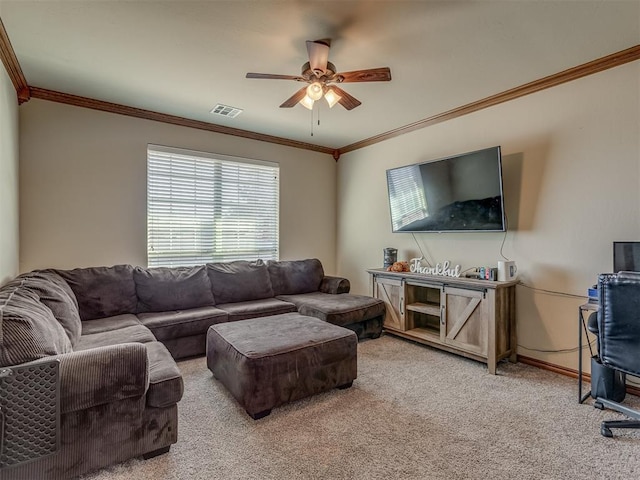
(462, 193)
(626, 257)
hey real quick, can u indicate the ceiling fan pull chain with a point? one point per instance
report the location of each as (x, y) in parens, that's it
(312, 121)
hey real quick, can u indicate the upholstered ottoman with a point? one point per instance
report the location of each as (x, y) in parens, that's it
(266, 362)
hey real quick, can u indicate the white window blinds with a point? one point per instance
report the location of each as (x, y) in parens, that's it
(209, 208)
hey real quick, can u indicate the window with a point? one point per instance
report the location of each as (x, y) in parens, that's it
(204, 207)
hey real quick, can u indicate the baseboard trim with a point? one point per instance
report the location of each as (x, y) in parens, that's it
(569, 372)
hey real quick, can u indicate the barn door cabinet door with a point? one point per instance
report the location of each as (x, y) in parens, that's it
(466, 320)
(391, 292)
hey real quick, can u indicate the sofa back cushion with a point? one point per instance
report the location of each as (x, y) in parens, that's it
(56, 294)
(102, 291)
(163, 289)
(296, 276)
(239, 281)
(28, 329)
(50, 274)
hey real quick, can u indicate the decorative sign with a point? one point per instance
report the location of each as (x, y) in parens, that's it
(444, 269)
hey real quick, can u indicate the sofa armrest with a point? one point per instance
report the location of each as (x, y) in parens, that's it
(102, 375)
(335, 285)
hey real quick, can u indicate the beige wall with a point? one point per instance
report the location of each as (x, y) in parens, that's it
(571, 169)
(83, 187)
(9, 243)
(571, 159)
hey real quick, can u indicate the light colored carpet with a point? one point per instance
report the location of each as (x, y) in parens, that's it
(413, 413)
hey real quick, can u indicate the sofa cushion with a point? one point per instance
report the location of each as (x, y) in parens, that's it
(342, 309)
(102, 291)
(135, 333)
(54, 292)
(256, 308)
(295, 276)
(165, 381)
(182, 323)
(160, 289)
(53, 276)
(107, 324)
(28, 329)
(185, 347)
(239, 281)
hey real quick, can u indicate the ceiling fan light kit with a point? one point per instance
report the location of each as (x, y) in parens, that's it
(306, 102)
(331, 97)
(321, 76)
(314, 91)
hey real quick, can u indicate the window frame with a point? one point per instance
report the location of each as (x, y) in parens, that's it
(216, 209)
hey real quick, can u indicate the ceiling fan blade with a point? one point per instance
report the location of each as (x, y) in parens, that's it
(293, 100)
(347, 101)
(382, 74)
(318, 51)
(272, 76)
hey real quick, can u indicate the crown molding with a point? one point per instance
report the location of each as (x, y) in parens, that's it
(86, 102)
(595, 66)
(25, 92)
(11, 65)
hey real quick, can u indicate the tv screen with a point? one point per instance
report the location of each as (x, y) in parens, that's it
(455, 194)
(626, 257)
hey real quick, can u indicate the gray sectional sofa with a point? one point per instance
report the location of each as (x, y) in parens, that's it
(115, 332)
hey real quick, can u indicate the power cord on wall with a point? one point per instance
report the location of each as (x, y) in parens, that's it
(552, 292)
(558, 294)
(562, 350)
(506, 229)
(544, 291)
(504, 238)
(420, 248)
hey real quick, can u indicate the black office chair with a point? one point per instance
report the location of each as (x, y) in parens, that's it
(617, 325)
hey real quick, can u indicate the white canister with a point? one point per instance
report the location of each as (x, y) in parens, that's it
(507, 271)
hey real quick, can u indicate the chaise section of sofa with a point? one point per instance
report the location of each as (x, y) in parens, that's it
(303, 283)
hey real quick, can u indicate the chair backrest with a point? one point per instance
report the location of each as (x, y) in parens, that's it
(619, 321)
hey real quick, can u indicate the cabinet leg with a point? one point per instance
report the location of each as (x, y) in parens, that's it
(491, 365)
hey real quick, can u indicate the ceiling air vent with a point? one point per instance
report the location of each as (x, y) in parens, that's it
(226, 111)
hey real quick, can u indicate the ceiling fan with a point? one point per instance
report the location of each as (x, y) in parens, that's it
(322, 77)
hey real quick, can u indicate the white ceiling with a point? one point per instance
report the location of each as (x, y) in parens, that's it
(183, 57)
